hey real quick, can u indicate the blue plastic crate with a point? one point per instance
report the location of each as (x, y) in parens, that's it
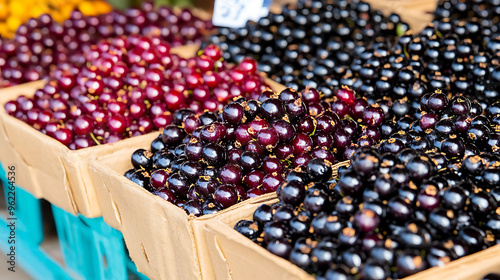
(28, 212)
(92, 248)
(29, 235)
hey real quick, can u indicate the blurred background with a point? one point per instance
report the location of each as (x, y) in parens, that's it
(16, 12)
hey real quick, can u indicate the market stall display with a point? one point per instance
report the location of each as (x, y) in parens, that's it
(327, 139)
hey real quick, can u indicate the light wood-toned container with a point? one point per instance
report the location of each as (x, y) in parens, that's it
(50, 170)
(163, 241)
(236, 257)
(45, 167)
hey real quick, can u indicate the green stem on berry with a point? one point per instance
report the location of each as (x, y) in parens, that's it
(95, 139)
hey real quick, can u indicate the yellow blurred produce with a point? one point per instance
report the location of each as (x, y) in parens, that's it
(14, 12)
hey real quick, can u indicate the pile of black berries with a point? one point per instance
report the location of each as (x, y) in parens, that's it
(312, 43)
(207, 162)
(387, 216)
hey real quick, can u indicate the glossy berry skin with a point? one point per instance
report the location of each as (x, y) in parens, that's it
(272, 164)
(141, 178)
(178, 184)
(347, 95)
(350, 183)
(292, 193)
(268, 138)
(302, 143)
(158, 179)
(142, 159)
(272, 109)
(428, 120)
(366, 220)
(399, 209)
(225, 196)
(427, 198)
(319, 170)
(63, 135)
(301, 160)
(250, 160)
(271, 182)
(253, 179)
(213, 154)
(191, 169)
(233, 113)
(437, 102)
(172, 135)
(410, 263)
(248, 228)
(83, 125)
(193, 207)
(315, 201)
(166, 194)
(373, 116)
(230, 174)
(366, 164)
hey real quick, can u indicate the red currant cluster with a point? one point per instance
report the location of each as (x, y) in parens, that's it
(129, 87)
(42, 43)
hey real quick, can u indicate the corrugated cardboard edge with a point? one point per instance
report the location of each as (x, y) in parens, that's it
(237, 257)
(200, 223)
(8, 156)
(110, 211)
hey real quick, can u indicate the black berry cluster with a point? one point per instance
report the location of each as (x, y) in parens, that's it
(483, 10)
(387, 216)
(453, 56)
(454, 127)
(207, 162)
(312, 43)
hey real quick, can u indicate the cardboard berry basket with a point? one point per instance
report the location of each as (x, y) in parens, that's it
(45, 167)
(48, 169)
(236, 257)
(163, 241)
(8, 156)
(161, 238)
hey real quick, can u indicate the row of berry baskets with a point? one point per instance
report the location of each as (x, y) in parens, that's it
(201, 156)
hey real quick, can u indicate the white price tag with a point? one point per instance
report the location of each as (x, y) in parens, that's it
(265, 8)
(236, 13)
